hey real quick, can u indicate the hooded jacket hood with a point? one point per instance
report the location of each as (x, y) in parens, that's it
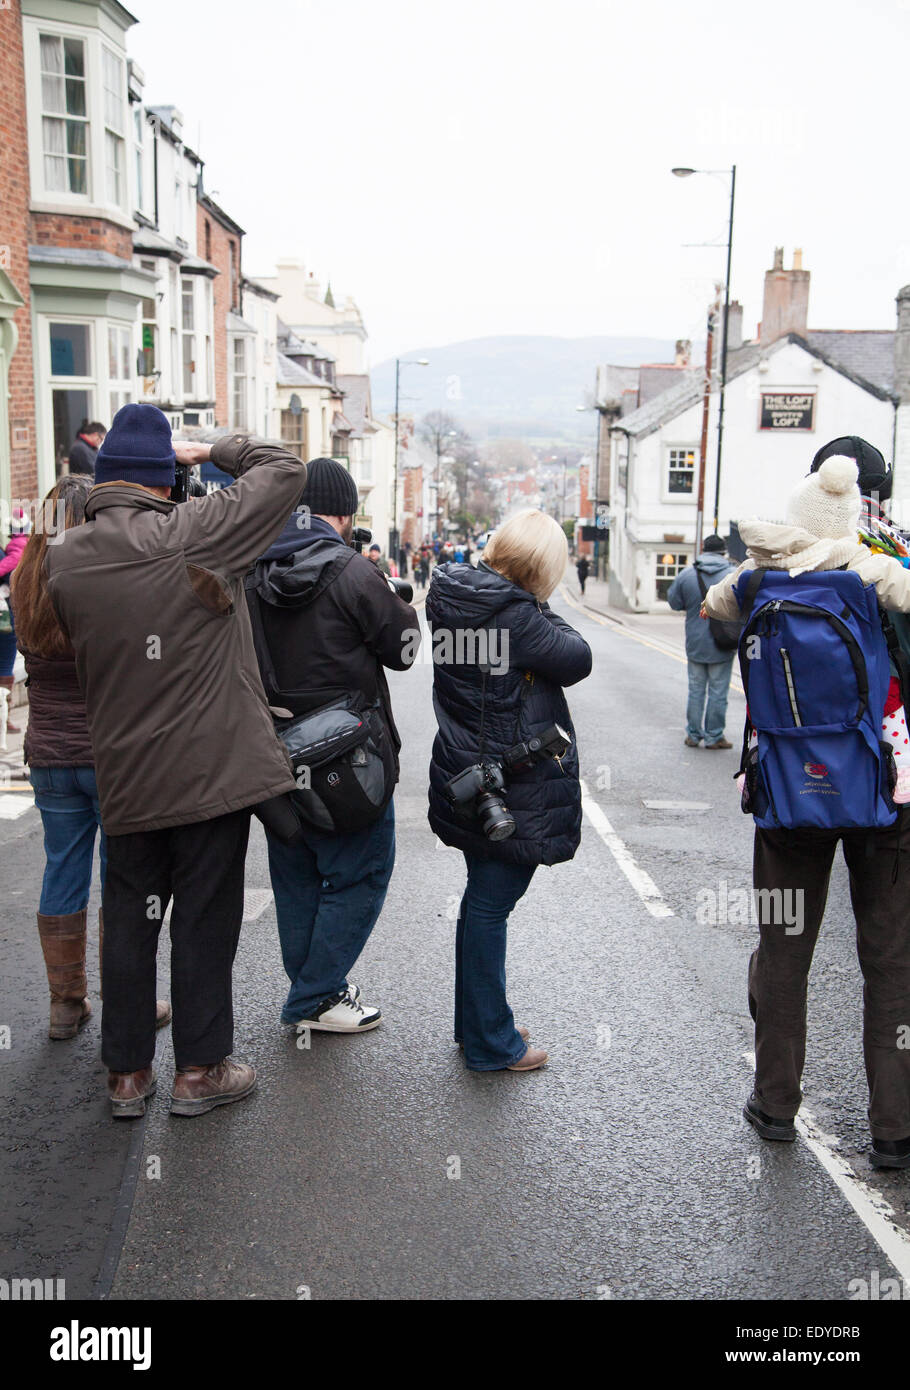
(302, 563)
(783, 546)
(461, 595)
(713, 561)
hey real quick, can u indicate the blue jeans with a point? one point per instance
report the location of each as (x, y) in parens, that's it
(713, 677)
(67, 798)
(329, 892)
(483, 1019)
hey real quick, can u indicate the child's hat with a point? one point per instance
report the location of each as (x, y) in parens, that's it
(827, 503)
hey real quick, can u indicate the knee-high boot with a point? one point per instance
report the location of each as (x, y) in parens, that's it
(63, 945)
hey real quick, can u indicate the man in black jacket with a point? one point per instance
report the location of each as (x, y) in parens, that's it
(85, 447)
(331, 623)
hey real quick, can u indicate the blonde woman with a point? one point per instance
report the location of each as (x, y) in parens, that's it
(501, 658)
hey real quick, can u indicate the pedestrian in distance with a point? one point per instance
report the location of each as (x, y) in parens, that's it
(582, 569)
(378, 559)
(817, 770)
(709, 665)
(58, 752)
(327, 622)
(150, 594)
(488, 713)
(85, 446)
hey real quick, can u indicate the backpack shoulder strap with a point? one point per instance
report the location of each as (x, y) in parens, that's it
(699, 579)
(753, 584)
(263, 655)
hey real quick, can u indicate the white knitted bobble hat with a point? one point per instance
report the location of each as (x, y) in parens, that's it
(827, 503)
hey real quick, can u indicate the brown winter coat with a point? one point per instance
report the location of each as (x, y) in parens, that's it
(150, 593)
(57, 732)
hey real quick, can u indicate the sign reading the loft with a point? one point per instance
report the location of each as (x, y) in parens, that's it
(787, 410)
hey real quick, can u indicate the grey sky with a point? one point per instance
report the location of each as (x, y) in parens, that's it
(502, 166)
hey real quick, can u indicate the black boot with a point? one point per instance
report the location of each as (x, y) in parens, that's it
(766, 1125)
(890, 1153)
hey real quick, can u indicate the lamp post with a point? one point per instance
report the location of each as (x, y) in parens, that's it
(449, 434)
(393, 533)
(684, 174)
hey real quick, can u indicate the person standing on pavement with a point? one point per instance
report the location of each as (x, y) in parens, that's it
(821, 534)
(19, 528)
(484, 708)
(331, 623)
(58, 752)
(85, 447)
(150, 596)
(582, 569)
(710, 666)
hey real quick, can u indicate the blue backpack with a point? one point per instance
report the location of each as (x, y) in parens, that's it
(815, 667)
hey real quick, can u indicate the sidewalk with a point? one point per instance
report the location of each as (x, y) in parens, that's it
(664, 627)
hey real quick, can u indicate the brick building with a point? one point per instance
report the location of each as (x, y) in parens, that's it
(17, 388)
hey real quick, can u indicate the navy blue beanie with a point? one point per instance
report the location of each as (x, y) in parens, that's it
(137, 448)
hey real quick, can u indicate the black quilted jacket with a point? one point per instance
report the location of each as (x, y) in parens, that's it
(544, 654)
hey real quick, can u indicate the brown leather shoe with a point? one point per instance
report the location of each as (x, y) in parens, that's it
(721, 743)
(198, 1089)
(129, 1090)
(519, 1028)
(63, 945)
(534, 1057)
(163, 1013)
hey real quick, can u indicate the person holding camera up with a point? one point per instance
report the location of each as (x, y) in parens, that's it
(149, 594)
(504, 785)
(326, 622)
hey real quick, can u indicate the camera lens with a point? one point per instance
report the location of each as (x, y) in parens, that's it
(494, 816)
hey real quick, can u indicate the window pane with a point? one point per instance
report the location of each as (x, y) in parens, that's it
(113, 91)
(112, 353)
(113, 152)
(52, 93)
(70, 344)
(74, 57)
(75, 139)
(75, 97)
(187, 303)
(77, 176)
(188, 364)
(55, 175)
(70, 408)
(51, 53)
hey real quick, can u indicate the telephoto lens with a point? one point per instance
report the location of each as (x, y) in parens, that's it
(401, 587)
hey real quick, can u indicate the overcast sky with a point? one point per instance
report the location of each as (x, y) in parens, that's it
(502, 166)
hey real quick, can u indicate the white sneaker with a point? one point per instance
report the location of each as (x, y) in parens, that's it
(342, 1014)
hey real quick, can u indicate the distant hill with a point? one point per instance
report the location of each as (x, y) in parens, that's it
(528, 387)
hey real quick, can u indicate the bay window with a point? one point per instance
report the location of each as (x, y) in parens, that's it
(64, 114)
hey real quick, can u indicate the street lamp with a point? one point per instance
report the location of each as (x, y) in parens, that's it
(393, 533)
(684, 173)
(449, 434)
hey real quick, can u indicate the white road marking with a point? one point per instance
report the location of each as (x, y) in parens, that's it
(677, 805)
(642, 882)
(876, 1214)
(14, 805)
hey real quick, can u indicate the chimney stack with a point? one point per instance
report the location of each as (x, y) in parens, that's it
(683, 352)
(786, 303)
(735, 326)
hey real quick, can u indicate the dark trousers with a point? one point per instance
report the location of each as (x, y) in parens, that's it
(483, 1018)
(201, 867)
(779, 969)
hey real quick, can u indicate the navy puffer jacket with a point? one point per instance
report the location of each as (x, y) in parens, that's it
(544, 654)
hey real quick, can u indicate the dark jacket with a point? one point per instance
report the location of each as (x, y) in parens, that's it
(82, 457)
(330, 619)
(544, 654)
(57, 732)
(685, 593)
(150, 593)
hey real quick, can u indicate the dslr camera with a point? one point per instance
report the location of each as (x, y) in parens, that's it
(476, 790)
(361, 536)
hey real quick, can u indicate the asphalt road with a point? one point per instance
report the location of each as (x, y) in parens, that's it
(378, 1167)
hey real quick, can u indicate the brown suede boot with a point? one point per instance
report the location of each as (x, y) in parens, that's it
(63, 944)
(162, 1007)
(129, 1090)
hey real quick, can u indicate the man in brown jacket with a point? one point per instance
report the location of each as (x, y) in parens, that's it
(151, 596)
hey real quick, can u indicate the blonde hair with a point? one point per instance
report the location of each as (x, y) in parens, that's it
(530, 549)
